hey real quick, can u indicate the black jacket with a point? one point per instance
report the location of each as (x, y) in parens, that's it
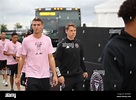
(69, 57)
(119, 63)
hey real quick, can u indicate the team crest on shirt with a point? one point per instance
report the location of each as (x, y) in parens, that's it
(76, 45)
(38, 45)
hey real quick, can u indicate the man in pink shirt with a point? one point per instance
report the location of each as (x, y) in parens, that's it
(3, 58)
(12, 64)
(37, 53)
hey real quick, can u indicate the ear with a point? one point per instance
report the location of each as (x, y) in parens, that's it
(66, 31)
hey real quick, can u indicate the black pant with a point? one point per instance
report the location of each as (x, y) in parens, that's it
(36, 84)
(23, 79)
(74, 83)
(12, 69)
(3, 64)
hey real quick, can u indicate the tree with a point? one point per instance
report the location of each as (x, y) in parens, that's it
(3, 27)
(18, 26)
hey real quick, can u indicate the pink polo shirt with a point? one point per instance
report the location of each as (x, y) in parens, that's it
(11, 47)
(2, 44)
(36, 51)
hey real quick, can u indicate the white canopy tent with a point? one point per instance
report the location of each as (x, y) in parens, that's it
(106, 14)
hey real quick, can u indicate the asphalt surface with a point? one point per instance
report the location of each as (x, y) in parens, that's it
(7, 88)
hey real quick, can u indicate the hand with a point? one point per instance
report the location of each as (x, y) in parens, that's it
(85, 75)
(61, 80)
(17, 81)
(55, 80)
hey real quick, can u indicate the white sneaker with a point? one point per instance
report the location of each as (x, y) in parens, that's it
(3, 81)
(6, 84)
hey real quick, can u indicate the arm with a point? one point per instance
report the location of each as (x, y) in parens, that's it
(53, 68)
(20, 66)
(52, 64)
(22, 57)
(58, 57)
(18, 53)
(85, 74)
(9, 54)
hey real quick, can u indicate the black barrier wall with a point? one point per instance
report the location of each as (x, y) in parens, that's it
(93, 40)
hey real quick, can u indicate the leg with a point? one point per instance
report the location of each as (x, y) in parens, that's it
(11, 74)
(44, 84)
(5, 76)
(18, 85)
(16, 71)
(68, 84)
(32, 84)
(79, 83)
(12, 82)
(79, 86)
(3, 70)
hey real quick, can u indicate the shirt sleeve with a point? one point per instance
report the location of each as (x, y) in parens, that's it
(82, 59)
(6, 47)
(51, 49)
(24, 47)
(58, 55)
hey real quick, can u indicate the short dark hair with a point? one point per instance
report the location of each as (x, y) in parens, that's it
(14, 33)
(127, 10)
(37, 19)
(3, 32)
(70, 24)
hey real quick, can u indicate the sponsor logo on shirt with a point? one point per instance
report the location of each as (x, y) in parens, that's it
(68, 45)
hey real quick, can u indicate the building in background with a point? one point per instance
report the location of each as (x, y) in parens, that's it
(106, 14)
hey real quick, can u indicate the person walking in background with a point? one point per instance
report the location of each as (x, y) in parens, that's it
(37, 54)
(70, 61)
(119, 54)
(3, 58)
(10, 50)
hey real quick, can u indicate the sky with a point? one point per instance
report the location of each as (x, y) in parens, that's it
(23, 11)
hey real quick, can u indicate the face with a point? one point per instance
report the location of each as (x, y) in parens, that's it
(15, 38)
(3, 35)
(71, 32)
(37, 27)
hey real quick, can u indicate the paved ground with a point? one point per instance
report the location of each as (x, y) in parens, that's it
(3, 88)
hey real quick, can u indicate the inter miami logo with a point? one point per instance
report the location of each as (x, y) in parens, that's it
(96, 82)
(76, 45)
(38, 45)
